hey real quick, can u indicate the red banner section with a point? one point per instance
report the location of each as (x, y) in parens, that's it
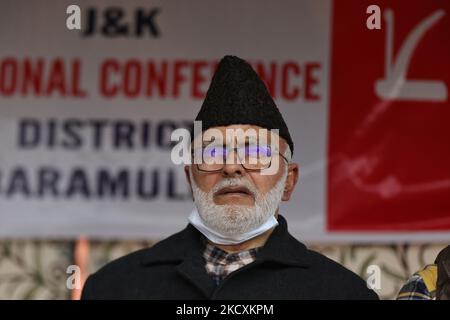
(389, 127)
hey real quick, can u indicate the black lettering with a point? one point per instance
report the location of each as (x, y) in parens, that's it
(143, 20)
(171, 187)
(145, 135)
(150, 189)
(98, 127)
(48, 181)
(112, 186)
(51, 136)
(123, 135)
(91, 22)
(164, 131)
(78, 184)
(71, 129)
(29, 133)
(112, 27)
(18, 184)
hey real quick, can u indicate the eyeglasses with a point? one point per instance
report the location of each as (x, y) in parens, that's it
(251, 157)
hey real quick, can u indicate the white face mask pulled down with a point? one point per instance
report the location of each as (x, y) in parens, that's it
(234, 224)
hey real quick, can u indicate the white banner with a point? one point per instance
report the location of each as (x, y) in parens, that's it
(86, 115)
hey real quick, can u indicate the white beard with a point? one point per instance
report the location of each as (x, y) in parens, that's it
(234, 220)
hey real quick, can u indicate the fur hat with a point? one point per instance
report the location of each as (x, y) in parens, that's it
(237, 95)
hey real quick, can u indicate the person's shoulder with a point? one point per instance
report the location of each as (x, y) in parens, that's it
(128, 269)
(110, 278)
(135, 259)
(421, 285)
(338, 278)
(331, 268)
(128, 262)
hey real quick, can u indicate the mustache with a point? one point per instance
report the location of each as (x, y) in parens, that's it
(235, 182)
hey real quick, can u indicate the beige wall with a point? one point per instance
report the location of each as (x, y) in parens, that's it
(37, 269)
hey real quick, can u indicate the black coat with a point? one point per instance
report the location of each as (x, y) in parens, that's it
(175, 269)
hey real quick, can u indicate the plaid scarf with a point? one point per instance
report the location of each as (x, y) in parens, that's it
(220, 263)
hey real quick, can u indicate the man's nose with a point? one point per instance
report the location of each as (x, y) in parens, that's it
(232, 167)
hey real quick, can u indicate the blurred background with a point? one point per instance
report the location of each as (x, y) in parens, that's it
(91, 91)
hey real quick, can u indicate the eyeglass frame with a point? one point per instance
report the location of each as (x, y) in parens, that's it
(240, 162)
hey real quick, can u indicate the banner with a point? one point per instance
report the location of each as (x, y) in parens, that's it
(86, 114)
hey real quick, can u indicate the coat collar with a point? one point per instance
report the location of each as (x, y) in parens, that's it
(185, 250)
(281, 247)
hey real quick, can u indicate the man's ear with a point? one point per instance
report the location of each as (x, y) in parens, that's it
(188, 178)
(291, 181)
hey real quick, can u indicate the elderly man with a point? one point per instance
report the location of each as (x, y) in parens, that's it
(237, 244)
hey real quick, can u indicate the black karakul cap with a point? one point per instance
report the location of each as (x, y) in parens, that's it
(237, 95)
